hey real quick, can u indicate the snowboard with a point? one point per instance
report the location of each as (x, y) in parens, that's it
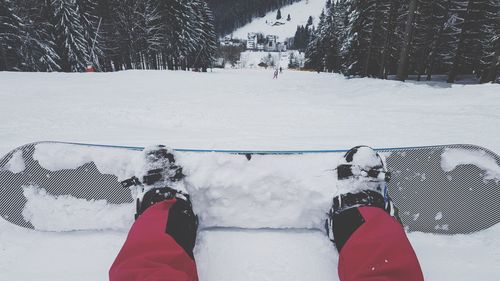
(58, 186)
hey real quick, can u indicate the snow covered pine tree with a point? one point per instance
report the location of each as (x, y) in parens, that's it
(72, 47)
(10, 36)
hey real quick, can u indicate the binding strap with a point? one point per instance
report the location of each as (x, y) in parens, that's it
(352, 200)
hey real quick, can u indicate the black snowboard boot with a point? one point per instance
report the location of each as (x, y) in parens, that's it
(362, 180)
(163, 179)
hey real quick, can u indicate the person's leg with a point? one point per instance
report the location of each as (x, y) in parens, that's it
(364, 223)
(373, 246)
(159, 245)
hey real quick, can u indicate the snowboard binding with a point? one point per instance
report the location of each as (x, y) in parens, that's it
(160, 181)
(346, 171)
(364, 173)
(163, 181)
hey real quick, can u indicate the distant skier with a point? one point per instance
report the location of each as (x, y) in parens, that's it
(275, 74)
(281, 70)
(362, 223)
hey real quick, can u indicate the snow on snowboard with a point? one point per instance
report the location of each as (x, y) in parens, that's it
(55, 186)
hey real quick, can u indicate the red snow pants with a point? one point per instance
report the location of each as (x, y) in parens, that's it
(150, 254)
(378, 251)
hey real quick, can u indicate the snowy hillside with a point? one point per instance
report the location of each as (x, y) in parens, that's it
(241, 109)
(299, 13)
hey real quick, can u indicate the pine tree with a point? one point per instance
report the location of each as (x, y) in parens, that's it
(152, 36)
(110, 59)
(433, 33)
(424, 32)
(490, 40)
(296, 38)
(476, 33)
(324, 50)
(37, 49)
(301, 38)
(210, 37)
(127, 36)
(72, 47)
(90, 23)
(148, 31)
(449, 36)
(465, 18)
(336, 34)
(38, 54)
(491, 61)
(278, 15)
(389, 37)
(402, 73)
(364, 36)
(177, 25)
(204, 53)
(379, 12)
(309, 22)
(140, 34)
(10, 36)
(315, 51)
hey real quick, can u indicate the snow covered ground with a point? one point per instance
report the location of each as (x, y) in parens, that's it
(299, 14)
(241, 109)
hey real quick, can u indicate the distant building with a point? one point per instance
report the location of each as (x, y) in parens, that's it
(281, 47)
(229, 41)
(226, 41)
(271, 43)
(252, 41)
(219, 63)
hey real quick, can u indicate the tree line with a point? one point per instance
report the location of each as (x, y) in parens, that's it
(378, 38)
(303, 35)
(108, 35)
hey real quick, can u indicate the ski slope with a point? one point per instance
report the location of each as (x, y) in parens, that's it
(241, 109)
(299, 14)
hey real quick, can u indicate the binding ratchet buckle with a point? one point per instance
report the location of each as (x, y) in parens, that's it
(346, 171)
(154, 176)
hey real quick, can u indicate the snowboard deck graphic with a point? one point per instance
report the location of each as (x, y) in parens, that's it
(446, 189)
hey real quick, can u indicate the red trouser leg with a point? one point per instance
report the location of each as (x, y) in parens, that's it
(378, 250)
(150, 254)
